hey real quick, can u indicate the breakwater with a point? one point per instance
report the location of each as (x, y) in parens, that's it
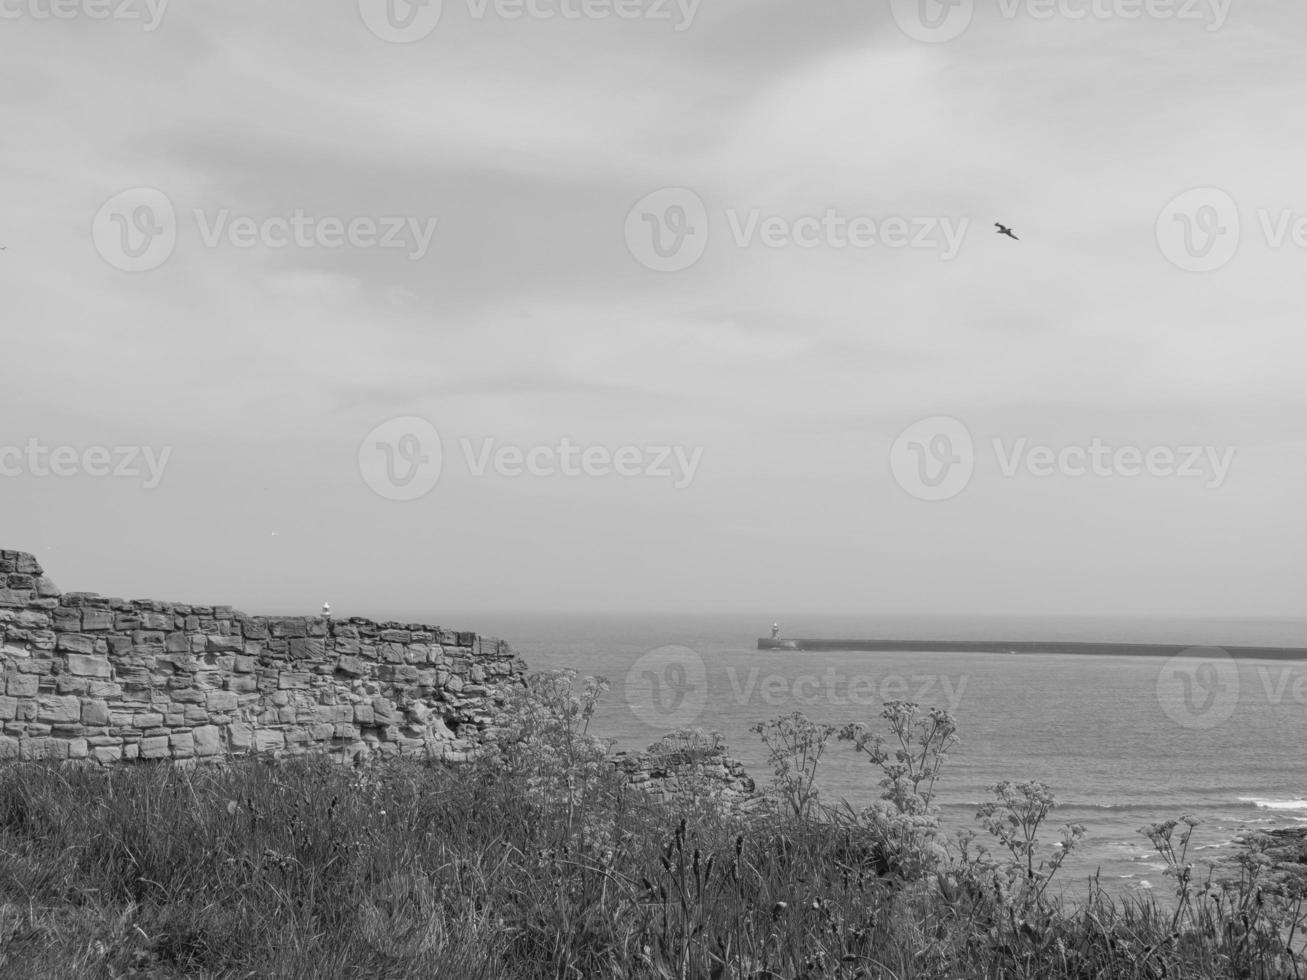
(1034, 647)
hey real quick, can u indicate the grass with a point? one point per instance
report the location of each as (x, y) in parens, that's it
(542, 864)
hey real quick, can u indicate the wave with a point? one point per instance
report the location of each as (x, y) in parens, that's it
(1243, 802)
(1107, 807)
(1262, 803)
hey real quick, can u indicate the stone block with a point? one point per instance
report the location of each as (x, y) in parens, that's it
(334, 713)
(231, 643)
(221, 701)
(52, 710)
(95, 713)
(195, 715)
(75, 643)
(107, 754)
(304, 648)
(293, 681)
(207, 740)
(269, 739)
(8, 708)
(182, 745)
(8, 747)
(157, 621)
(77, 748)
(384, 712)
(147, 719)
(155, 747)
(68, 684)
(351, 667)
(87, 666)
(94, 620)
(240, 736)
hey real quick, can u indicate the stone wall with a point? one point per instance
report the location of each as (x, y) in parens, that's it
(109, 680)
(672, 773)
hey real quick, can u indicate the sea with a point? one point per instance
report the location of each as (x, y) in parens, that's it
(1121, 741)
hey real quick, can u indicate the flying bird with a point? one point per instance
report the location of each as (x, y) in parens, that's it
(1004, 230)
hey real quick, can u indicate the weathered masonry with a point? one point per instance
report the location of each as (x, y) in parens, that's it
(108, 680)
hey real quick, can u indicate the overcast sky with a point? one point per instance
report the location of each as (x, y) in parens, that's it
(749, 367)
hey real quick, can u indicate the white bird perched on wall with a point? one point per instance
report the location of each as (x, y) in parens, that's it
(326, 610)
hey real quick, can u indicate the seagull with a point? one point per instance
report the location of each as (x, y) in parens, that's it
(1004, 230)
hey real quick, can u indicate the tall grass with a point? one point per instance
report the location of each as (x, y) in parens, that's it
(543, 864)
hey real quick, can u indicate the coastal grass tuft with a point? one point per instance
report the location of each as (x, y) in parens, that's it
(541, 862)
